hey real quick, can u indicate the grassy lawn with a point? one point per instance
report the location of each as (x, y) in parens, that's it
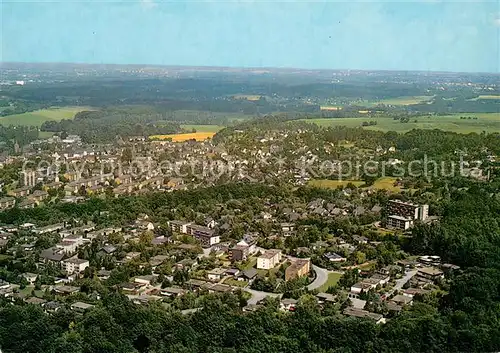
(489, 122)
(203, 128)
(386, 183)
(37, 117)
(333, 184)
(252, 261)
(236, 283)
(4, 257)
(333, 278)
(367, 266)
(45, 134)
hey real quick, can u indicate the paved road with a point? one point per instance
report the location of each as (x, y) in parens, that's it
(401, 282)
(258, 295)
(321, 277)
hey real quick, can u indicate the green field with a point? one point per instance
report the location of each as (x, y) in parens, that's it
(203, 128)
(489, 97)
(489, 122)
(400, 101)
(332, 280)
(386, 183)
(37, 117)
(333, 184)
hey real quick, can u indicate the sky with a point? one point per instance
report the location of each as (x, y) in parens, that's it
(427, 35)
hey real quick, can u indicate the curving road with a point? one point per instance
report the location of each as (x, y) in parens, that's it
(321, 277)
(258, 295)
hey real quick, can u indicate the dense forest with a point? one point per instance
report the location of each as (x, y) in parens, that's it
(464, 318)
(300, 93)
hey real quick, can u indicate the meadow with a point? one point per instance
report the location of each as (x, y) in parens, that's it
(198, 136)
(489, 122)
(333, 184)
(203, 128)
(383, 183)
(248, 97)
(333, 278)
(401, 100)
(386, 183)
(489, 96)
(37, 117)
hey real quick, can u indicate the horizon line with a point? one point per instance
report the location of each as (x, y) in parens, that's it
(249, 68)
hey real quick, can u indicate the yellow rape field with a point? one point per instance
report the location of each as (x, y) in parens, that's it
(198, 136)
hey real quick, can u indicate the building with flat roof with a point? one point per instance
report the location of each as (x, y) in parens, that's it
(408, 210)
(269, 259)
(399, 222)
(298, 268)
(75, 265)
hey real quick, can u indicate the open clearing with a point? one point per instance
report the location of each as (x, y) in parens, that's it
(489, 97)
(198, 136)
(400, 101)
(489, 122)
(333, 184)
(330, 108)
(248, 97)
(203, 128)
(37, 117)
(384, 183)
(332, 280)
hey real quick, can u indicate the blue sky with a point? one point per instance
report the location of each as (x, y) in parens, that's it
(430, 35)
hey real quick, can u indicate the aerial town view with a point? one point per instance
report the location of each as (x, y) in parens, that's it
(226, 177)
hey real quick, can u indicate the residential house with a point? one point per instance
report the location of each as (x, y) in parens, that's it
(399, 222)
(402, 300)
(39, 195)
(20, 192)
(216, 274)
(204, 235)
(360, 287)
(7, 202)
(81, 307)
(30, 277)
(49, 229)
(334, 257)
(67, 246)
(269, 259)
(53, 255)
(172, 292)
(248, 274)
(287, 229)
(430, 273)
(74, 265)
(298, 268)
(27, 203)
(239, 253)
(66, 290)
(378, 318)
(178, 226)
(147, 279)
(288, 304)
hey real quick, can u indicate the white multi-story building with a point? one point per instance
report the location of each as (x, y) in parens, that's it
(74, 265)
(269, 259)
(398, 222)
